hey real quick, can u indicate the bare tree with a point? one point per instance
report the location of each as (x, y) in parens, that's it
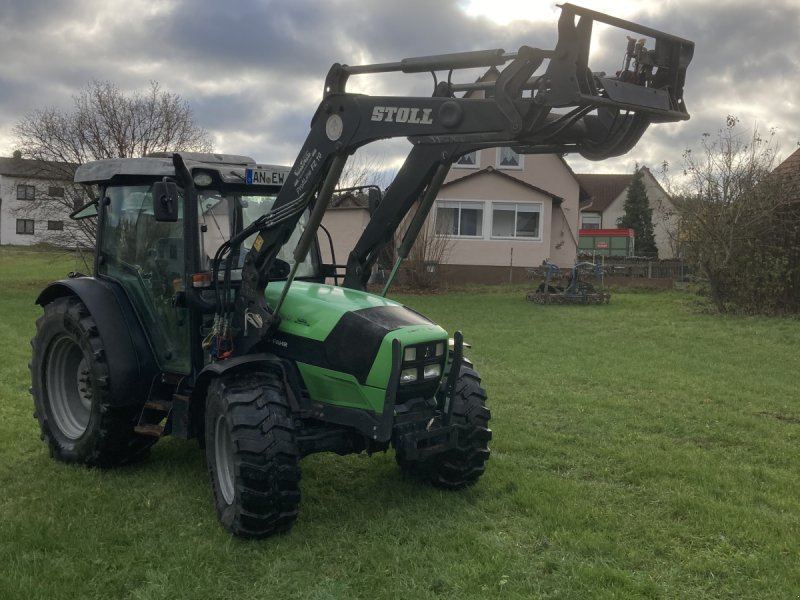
(103, 123)
(430, 250)
(364, 169)
(740, 224)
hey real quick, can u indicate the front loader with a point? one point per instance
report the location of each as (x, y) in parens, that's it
(208, 315)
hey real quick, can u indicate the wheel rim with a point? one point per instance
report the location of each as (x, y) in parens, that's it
(223, 453)
(68, 387)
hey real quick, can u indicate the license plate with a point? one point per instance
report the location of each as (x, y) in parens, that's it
(257, 175)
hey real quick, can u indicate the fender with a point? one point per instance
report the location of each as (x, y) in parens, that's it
(132, 366)
(219, 368)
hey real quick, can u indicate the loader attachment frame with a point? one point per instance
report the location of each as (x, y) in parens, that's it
(606, 116)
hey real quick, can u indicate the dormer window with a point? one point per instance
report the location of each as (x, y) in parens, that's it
(508, 159)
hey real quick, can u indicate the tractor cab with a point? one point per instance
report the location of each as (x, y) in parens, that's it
(166, 266)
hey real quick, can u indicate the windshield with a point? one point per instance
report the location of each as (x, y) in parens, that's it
(221, 214)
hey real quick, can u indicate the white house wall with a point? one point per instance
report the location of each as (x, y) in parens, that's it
(488, 188)
(9, 215)
(345, 226)
(12, 209)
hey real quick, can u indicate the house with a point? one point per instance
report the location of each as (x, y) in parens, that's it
(32, 201)
(497, 214)
(608, 192)
(501, 213)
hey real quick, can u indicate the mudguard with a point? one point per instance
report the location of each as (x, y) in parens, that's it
(219, 368)
(132, 366)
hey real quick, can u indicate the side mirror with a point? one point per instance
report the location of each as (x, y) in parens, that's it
(165, 200)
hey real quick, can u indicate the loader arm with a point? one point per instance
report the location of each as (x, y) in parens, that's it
(605, 116)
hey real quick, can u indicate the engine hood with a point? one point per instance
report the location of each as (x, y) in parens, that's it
(345, 330)
(313, 310)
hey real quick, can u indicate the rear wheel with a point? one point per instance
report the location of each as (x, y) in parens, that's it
(70, 387)
(252, 455)
(461, 466)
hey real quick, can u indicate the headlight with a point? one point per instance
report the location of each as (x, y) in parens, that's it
(408, 375)
(423, 363)
(431, 371)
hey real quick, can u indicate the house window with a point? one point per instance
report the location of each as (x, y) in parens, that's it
(510, 220)
(468, 161)
(461, 219)
(55, 225)
(55, 191)
(508, 159)
(26, 192)
(590, 221)
(25, 226)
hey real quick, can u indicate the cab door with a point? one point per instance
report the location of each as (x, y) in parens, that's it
(146, 258)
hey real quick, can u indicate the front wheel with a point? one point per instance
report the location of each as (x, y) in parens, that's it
(463, 465)
(70, 387)
(251, 453)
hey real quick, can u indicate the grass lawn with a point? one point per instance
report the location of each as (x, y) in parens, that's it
(641, 450)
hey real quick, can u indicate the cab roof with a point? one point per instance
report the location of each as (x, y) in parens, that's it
(160, 165)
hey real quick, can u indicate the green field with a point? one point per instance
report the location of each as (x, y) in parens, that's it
(641, 450)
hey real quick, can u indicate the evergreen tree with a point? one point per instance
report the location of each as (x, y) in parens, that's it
(639, 216)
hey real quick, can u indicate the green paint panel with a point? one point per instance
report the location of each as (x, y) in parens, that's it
(340, 389)
(312, 310)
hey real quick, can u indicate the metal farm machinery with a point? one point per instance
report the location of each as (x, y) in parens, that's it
(574, 286)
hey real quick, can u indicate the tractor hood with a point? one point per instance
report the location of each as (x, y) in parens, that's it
(345, 330)
(314, 310)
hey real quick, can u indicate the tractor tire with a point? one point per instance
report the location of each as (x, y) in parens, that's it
(462, 466)
(70, 387)
(252, 454)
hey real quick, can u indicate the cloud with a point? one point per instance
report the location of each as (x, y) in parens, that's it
(253, 71)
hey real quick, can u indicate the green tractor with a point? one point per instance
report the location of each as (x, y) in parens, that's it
(209, 315)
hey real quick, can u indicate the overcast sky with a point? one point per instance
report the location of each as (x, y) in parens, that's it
(253, 70)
